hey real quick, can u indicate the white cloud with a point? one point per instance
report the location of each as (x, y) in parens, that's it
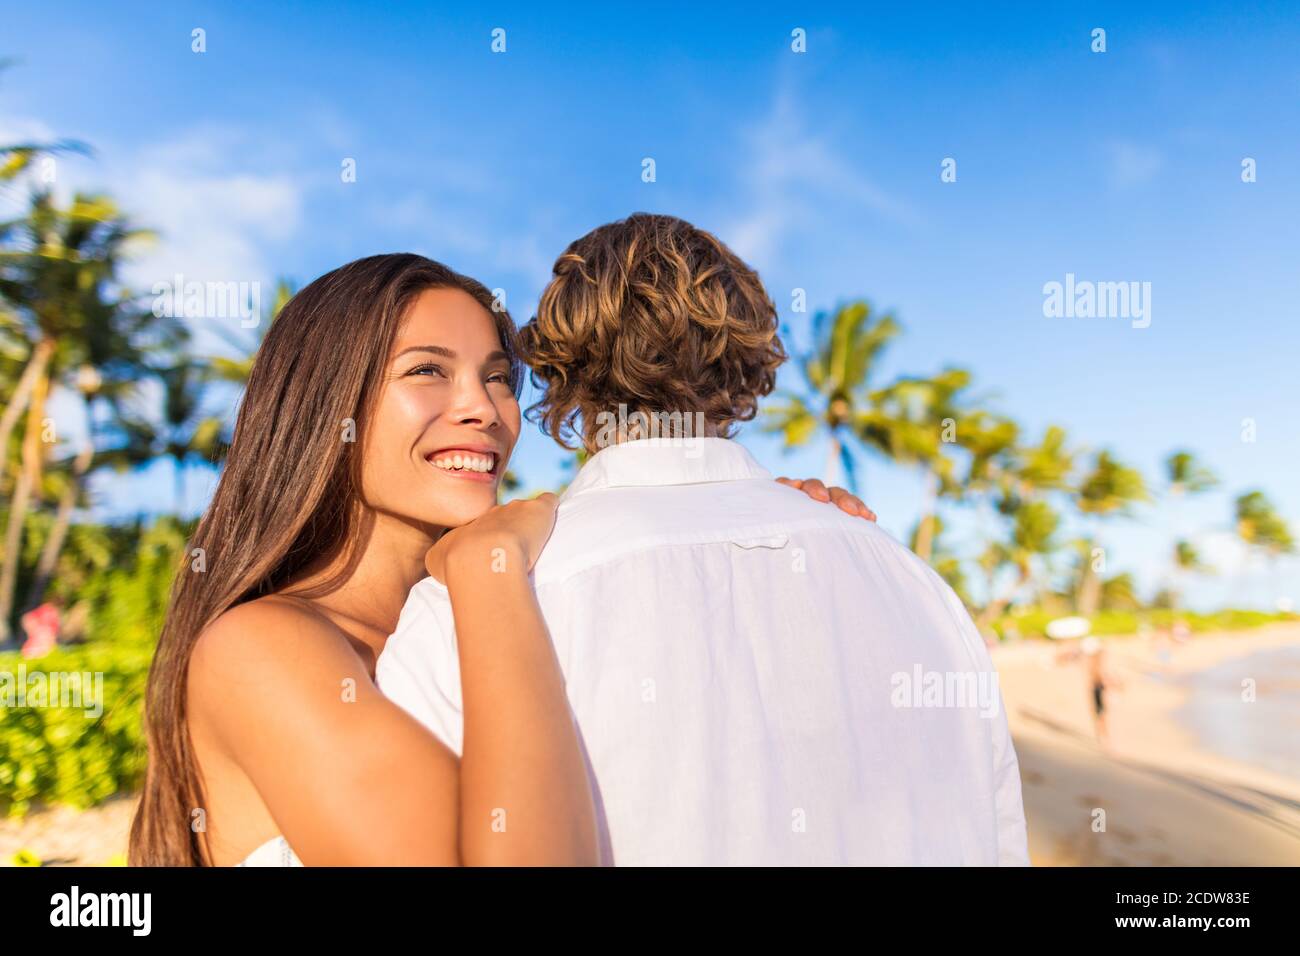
(213, 220)
(791, 177)
(1225, 552)
(1243, 577)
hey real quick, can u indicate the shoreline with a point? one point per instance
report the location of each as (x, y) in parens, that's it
(1167, 798)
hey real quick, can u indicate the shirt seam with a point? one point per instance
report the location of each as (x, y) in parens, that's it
(573, 567)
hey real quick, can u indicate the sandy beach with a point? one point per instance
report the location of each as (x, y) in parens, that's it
(1168, 799)
(61, 836)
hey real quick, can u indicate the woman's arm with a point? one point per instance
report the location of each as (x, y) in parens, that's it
(524, 793)
(348, 776)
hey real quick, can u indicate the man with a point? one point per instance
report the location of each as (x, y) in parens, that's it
(757, 678)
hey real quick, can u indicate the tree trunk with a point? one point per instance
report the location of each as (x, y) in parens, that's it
(993, 610)
(833, 468)
(59, 532)
(925, 533)
(27, 479)
(1090, 590)
(34, 369)
(1089, 594)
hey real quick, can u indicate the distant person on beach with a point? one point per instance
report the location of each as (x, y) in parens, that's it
(41, 625)
(1100, 679)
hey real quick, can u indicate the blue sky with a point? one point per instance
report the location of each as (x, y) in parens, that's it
(821, 168)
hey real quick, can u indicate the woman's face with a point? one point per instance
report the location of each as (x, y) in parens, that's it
(447, 418)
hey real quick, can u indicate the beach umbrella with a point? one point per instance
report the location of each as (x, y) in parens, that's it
(1067, 628)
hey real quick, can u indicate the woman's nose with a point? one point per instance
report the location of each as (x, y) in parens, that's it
(474, 405)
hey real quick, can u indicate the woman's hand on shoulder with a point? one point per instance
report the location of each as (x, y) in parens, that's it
(845, 500)
(508, 538)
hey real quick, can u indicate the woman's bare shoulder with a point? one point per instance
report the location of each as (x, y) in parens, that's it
(264, 653)
(266, 631)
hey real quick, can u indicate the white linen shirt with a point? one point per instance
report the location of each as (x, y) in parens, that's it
(757, 677)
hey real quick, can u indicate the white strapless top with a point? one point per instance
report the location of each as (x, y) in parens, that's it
(275, 852)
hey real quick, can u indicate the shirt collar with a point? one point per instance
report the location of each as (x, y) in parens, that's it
(666, 461)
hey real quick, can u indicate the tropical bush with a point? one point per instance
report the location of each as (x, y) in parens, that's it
(81, 755)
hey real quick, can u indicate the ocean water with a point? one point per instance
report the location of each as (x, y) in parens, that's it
(1265, 732)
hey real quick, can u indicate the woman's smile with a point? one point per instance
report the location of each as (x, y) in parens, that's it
(471, 463)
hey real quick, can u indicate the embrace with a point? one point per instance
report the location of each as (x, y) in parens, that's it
(679, 661)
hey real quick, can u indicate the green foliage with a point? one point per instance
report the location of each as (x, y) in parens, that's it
(1110, 487)
(1186, 475)
(71, 755)
(838, 399)
(1119, 593)
(1261, 527)
(68, 754)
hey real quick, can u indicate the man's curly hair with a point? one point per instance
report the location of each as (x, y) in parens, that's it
(654, 314)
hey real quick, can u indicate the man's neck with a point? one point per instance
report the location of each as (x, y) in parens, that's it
(624, 426)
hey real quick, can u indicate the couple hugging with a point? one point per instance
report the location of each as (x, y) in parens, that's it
(679, 661)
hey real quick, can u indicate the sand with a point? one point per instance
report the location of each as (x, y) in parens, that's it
(60, 836)
(1167, 800)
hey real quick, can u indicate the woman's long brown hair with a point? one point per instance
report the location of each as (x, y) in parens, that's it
(288, 497)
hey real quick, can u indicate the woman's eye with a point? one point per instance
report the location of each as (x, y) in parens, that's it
(426, 370)
(499, 377)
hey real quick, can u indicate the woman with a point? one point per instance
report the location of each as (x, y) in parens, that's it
(381, 411)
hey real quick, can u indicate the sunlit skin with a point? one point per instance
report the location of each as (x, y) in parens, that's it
(291, 735)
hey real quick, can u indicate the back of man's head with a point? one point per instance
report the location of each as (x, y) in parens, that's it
(654, 315)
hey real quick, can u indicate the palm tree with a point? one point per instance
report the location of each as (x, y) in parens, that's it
(187, 433)
(1108, 488)
(236, 370)
(73, 474)
(57, 269)
(1039, 469)
(114, 364)
(1033, 538)
(1012, 477)
(1184, 476)
(1119, 593)
(990, 440)
(946, 563)
(924, 419)
(1262, 528)
(839, 399)
(1188, 560)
